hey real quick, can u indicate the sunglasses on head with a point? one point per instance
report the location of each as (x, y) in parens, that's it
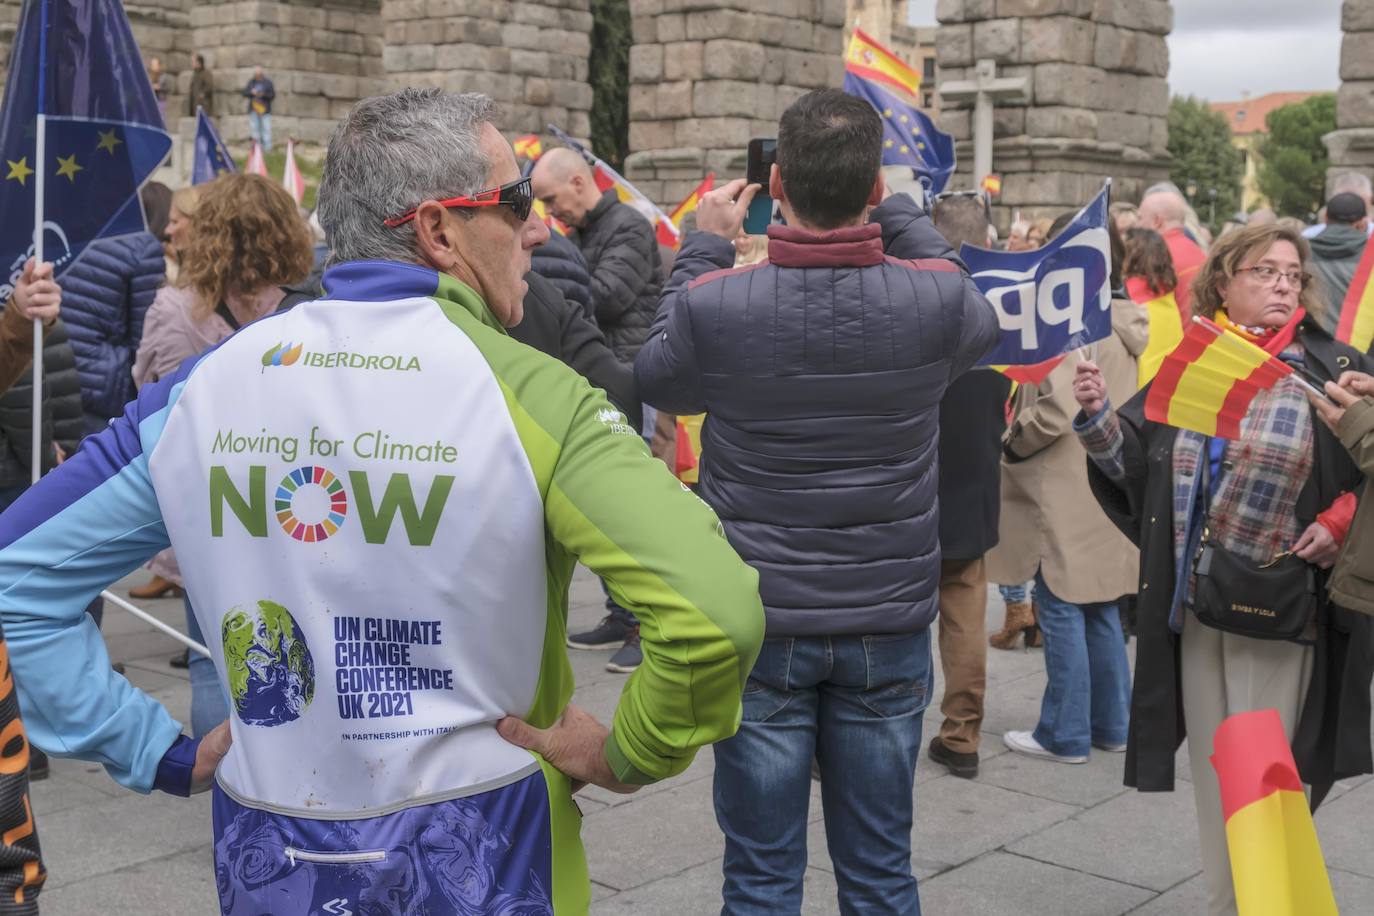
(517, 195)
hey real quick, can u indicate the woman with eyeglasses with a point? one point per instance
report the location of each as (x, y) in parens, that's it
(1236, 539)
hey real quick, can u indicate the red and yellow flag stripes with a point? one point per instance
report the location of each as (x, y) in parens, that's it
(666, 235)
(1356, 326)
(870, 60)
(1166, 333)
(1207, 383)
(1276, 861)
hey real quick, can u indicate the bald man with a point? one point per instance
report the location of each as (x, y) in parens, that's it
(1164, 210)
(619, 245)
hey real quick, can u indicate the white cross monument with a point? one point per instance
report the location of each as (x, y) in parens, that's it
(985, 88)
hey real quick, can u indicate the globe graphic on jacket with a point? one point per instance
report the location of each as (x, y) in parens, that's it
(271, 673)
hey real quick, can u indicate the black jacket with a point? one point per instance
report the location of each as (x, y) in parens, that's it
(1332, 740)
(626, 270)
(973, 417)
(555, 326)
(63, 422)
(559, 262)
(1335, 255)
(821, 373)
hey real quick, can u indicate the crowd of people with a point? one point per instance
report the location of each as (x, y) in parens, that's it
(859, 482)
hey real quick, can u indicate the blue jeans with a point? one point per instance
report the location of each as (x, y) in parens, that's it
(1014, 594)
(260, 129)
(854, 704)
(209, 704)
(1088, 698)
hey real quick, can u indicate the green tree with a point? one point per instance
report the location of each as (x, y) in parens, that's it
(1204, 157)
(1293, 163)
(608, 73)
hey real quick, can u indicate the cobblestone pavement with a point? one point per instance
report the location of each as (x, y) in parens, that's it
(1027, 837)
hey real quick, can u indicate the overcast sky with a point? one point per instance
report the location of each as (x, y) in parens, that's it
(1220, 48)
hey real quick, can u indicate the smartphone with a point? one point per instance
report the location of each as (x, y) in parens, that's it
(763, 152)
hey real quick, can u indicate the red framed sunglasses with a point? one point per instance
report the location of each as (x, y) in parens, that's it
(517, 195)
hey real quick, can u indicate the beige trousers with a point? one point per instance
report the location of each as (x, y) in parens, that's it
(963, 651)
(1224, 674)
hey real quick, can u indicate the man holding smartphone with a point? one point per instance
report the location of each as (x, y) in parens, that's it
(821, 372)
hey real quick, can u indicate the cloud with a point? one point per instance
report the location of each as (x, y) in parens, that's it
(1221, 63)
(1255, 15)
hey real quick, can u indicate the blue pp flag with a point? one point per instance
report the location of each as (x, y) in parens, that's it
(909, 136)
(1054, 299)
(211, 158)
(75, 74)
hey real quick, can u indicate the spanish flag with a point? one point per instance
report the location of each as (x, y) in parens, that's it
(671, 238)
(869, 60)
(1356, 326)
(1207, 383)
(553, 222)
(1030, 375)
(1276, 861)
(1166, 333)
(528, 147)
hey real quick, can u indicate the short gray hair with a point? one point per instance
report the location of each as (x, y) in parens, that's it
(389, 154)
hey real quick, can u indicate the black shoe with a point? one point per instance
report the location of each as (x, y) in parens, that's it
(609, 632)
(38, 764)
(628, 656)
(182, 661)
(965, 766)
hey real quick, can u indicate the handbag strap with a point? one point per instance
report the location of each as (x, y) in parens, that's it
(222, 311)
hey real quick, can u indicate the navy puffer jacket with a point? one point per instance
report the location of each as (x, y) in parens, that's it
(821, 373)
(559, 262)
(104, 298)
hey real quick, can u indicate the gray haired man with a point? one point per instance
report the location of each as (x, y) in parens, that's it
(382, 574)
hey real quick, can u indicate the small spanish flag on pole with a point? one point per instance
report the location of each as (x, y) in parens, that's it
(992, 184)
(688, 205)
(871, 61)
(1276, 861)
(1166, 333)
(528, 147)
(1356, 326)
(1207, 383)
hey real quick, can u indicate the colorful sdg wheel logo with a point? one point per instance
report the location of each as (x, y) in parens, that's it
(313, 492)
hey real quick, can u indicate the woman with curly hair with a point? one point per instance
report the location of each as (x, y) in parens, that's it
(246, 242)
(1148, 269)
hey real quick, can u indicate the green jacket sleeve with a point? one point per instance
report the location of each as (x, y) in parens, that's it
(664, 557)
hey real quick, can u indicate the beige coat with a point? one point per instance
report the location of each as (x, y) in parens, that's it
(1050, 520)
(1352, 579)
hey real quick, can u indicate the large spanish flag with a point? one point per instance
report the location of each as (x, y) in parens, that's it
(869, 60)
(1207, 383)
(1166, 333)
(1276, 861)
(1356, 326)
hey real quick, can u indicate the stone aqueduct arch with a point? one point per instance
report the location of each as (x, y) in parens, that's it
(708, 74)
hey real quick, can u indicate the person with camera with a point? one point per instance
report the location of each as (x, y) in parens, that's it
(1236, 540)
(821, 371)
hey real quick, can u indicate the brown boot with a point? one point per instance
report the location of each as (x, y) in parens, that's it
(1035, 637)
(1020, 617)
(157, 587)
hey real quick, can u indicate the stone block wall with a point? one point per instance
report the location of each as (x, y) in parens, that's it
(1351, 145)
(531, 57)
(1097, 101)
(322, 56)
(707, 75)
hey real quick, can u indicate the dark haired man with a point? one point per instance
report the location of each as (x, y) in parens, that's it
(821, 373)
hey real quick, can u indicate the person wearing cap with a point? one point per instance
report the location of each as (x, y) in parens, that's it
(1336, 253)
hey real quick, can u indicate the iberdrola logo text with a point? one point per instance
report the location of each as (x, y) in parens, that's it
(289, 353)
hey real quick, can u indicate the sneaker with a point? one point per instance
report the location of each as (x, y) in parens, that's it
(609, 632)
(965, 766)
(628, 656)
(1111, 748)
(182, 661)
(1025, 743)
(38, 764)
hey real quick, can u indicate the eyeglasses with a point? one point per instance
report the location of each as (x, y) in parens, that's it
(517, 195)
(1269, 276)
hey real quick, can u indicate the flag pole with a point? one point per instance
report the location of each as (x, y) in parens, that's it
(39, 182)
(150, 619)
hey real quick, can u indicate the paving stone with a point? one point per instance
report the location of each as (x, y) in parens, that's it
(1006, 885)
(1162, 850)
(1343, 829)
(1187, 898)
(617, 851)
(1083, 785)
(183, 883)
(965, 818)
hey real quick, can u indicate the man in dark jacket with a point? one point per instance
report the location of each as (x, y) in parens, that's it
(559, 261)
(618, 243)
(972, 420)
(821, 373)
(1336, 253)
(104, 298)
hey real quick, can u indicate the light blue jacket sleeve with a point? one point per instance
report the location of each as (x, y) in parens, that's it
(92, 520)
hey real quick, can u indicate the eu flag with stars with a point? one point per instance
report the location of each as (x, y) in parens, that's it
(909, 136)
(76, 66)
(211, 158)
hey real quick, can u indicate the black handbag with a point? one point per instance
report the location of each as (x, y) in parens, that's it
(1273, 600)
